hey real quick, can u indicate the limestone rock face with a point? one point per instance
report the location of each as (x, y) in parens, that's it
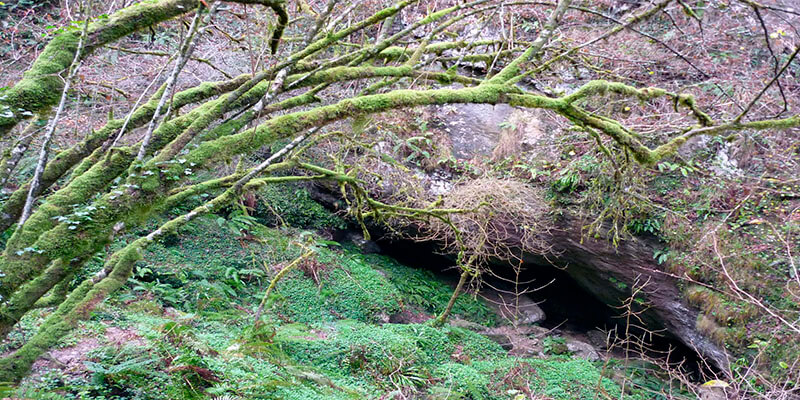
(474, 129)
(477, 130)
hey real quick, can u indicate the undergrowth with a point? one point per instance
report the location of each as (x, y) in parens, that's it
(184, 329)
(187, 318)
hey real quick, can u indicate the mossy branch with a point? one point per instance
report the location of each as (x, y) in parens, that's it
(67, 159)
(226, 147)
(40, 87)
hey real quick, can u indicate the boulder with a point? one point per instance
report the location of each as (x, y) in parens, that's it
(582, 350)
(598, 339)
(519, 310)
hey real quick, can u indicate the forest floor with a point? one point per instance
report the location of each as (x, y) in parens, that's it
(342, 325)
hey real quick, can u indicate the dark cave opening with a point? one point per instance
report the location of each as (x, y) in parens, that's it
(566, 304)
(569, 308)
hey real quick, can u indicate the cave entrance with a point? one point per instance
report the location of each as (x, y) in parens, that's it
(570, 309)
(566, 305)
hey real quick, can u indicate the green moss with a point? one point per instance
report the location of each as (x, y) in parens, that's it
(422, 289)
(230, 127)
(40, 86)
(603, 88)
(557, 379)
(146, 307)
(348, 288)
(293, 205)
(354, 348)
(473, 346)
(458, 381)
